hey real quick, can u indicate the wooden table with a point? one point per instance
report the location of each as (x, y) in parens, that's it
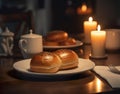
(12, 82)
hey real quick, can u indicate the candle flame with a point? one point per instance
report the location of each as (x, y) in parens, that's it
(90, 19)
(98, 27)
(84, 8)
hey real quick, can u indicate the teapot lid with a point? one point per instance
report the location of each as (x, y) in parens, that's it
(7, 32)
(30, 35)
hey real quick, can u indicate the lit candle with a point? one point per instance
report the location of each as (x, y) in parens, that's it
(88, 27)
(98, 43)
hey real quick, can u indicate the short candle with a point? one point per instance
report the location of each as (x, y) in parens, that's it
(98, 43)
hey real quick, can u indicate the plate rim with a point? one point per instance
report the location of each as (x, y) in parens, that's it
(78, 43)
(52, 74)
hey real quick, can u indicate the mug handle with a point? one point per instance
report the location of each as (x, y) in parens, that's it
(22, 47)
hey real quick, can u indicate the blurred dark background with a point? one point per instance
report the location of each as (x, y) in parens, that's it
(65, 14)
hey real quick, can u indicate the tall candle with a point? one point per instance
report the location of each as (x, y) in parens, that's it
(98, 43)
(88, 27)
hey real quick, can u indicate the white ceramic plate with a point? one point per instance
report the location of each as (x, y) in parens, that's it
(84, 65)
(78, 43)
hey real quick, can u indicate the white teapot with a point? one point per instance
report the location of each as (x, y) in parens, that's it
(7, 41)
(30, 44)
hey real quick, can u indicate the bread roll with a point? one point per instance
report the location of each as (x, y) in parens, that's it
(45, 62)
(69, 41)
(50, 43)
(69, 58)
(57, 36)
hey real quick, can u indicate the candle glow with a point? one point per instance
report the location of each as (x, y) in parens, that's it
(84, 8)
(98, 27)
(90, 19)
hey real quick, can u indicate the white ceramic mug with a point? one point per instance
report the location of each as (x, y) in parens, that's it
(30, 44)
(112, 39)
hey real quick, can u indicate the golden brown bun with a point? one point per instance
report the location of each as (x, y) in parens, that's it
(45, 62)
(69, 41)
(69, 58)
(50, 43)
(57, 36)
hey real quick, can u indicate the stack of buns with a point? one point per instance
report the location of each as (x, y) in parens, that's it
(58, 38)
(51, 62)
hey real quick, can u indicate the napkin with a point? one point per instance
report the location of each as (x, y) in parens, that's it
(112, 78)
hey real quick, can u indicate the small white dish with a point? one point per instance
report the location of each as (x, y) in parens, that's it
(23, 66)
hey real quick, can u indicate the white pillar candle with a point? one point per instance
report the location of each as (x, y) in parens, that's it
(88, 27)
(98, 43)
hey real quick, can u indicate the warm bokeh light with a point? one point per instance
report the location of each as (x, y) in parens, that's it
(84, 8)
(98, 85)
